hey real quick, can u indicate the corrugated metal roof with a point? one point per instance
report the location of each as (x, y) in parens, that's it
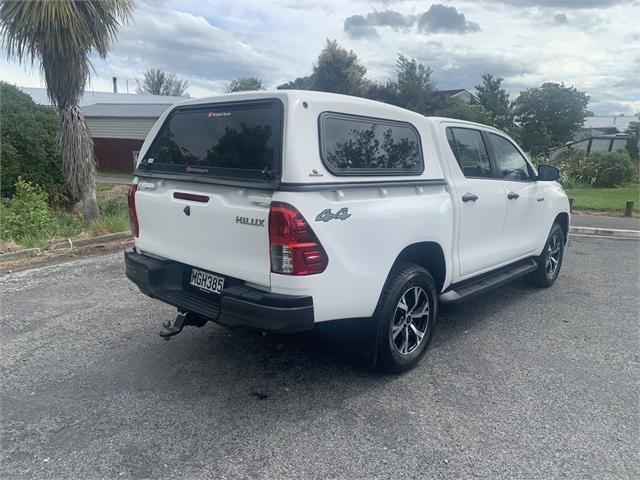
(39, 95)
(125, 110)
(620, 122)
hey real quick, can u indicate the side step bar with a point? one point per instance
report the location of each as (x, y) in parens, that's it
(475, 286)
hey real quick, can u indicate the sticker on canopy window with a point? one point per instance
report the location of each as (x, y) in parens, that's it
(150, 160)
(218, 114)
(190, 169)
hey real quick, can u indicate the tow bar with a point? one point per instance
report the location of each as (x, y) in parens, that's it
(182, 320)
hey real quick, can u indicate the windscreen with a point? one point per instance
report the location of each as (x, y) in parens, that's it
(236, 140)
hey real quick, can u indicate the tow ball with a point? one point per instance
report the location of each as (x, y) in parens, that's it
(182, 320)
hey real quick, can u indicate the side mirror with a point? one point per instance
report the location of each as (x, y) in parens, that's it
(548, 173)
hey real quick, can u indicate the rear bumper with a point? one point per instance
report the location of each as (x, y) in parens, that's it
(237, 305)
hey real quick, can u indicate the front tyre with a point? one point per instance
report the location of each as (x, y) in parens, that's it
(405, 317)
(550, 260)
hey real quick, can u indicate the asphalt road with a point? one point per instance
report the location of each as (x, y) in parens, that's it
(521, 383)
(602, 221)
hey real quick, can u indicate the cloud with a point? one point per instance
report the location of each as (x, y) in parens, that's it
(597, 50)
(186, 44)
(571, 4)
(356, 26)
(440, 18)
(561, 19)
(391, 18)
(615, 107)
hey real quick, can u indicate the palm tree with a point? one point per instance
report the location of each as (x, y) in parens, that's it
(338, 70)
(59, 36)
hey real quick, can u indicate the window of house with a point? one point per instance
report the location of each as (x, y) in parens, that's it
(600, 145)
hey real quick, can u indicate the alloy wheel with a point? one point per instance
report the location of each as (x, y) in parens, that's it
(411, 320)
(553, 255)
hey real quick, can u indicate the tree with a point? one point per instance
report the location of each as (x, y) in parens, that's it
(458, 108)
(495, 99)
(416, 90)
(338, 70)
(383, 92)
(158, 82)
(60, 36)
(300, 83)
(633, 144)
(29, 146)
(549, 115)
(244, 84)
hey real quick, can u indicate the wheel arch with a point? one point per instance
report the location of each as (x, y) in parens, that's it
(428, 255)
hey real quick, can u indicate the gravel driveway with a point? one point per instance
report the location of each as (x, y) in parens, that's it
(520, 383)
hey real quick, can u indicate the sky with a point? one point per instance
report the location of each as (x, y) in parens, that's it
(593, 45)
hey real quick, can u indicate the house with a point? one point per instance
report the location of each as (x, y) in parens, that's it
(118, 122)
(599, 134)
(118, 131)
(460, 93)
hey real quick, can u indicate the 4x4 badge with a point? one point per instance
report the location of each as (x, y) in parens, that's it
(327, 215)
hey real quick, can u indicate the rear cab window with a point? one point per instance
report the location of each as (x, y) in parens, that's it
(233, 140)
(355, 145)
(470, 152)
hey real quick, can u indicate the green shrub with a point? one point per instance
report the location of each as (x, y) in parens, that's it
(28, 213)
(566, 162)
(599, 169)
(30, 147)
(612, 169)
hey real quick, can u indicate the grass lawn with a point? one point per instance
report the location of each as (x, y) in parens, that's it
(116, 174)
(103, 187)
(605, 199)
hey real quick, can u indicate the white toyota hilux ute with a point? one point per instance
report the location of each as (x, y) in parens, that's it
(280, 210)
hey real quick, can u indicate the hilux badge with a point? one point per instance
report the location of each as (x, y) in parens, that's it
(256, 222)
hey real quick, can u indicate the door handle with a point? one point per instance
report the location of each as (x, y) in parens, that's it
(513, 196)
(469, 197)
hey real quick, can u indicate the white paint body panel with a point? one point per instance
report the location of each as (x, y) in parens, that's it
(362, 249)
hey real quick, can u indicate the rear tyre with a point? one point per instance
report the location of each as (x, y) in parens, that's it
(405, 317)
(550, 260)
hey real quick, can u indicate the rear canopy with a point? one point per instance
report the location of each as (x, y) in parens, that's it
(235, 140)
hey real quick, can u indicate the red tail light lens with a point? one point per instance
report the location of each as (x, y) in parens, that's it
(133, 216)
(295, 249)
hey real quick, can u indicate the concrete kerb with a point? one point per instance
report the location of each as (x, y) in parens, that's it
(11, 256)
(605, 232)
(86, 242)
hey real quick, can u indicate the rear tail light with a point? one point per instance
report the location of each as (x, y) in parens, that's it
(133, 215)
(295, 249)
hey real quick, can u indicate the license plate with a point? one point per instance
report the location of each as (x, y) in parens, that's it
(206, 281)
